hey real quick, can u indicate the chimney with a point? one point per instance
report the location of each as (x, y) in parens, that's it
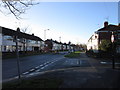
(18, 29)
(105, 24)
(32, 34)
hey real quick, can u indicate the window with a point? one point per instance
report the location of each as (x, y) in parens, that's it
(8, 38)
(36, 42)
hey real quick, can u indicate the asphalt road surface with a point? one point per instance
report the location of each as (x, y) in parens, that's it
(39, 63)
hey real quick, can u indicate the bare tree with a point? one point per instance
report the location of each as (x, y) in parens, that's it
(26, 29)
(16, 7)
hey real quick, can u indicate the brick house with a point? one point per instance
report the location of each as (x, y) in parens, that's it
(104, 33)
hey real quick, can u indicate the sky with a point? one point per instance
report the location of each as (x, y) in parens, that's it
(72, 21)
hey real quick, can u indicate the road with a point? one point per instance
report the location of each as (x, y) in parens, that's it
(39, 63)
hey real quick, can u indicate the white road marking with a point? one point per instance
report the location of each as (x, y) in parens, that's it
(37, 67)
(52, 62)
(41, 65)
(31, 74)
(48, 62)
(32, 69)
(103, 62)
(25, 72)
(77, 62)
(46, 65)
(38, 70)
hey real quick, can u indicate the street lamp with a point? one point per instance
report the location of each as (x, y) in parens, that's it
(45, 34)
(60, 39)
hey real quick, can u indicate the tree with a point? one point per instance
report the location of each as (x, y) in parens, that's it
(105, 45)
(16, 7)
(24, 30)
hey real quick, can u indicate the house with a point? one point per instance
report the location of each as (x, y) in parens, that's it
(104, 33)
(26, 42)
(65, 46)
(53, 45)
(48, 45)
(57, 46)
(92, 43)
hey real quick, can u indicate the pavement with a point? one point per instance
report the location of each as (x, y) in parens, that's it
(83, 72)
(94, 76)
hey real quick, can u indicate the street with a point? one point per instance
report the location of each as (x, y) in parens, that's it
(9, 66)
(40, 63)
(87, 72)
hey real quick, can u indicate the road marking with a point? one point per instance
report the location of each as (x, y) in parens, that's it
(46, 65)
(41, 65)
(48, 62)
(32, 69)
(77, 62)
(108, 63)
(103, 62)
(25, 73)
(37, 67)
(31, 74)
(52, 62)
(38, 70)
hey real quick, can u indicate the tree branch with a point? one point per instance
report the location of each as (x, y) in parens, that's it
(10, 9)
(14, 7)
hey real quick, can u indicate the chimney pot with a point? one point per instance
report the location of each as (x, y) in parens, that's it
(18, 29)
(105, 24)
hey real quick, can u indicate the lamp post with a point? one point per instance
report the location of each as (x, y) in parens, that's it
(60, 39)
(45, 34)
(113, 52)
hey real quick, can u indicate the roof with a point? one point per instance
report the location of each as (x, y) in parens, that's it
(110, 28)
(7, 31)
(50, 40)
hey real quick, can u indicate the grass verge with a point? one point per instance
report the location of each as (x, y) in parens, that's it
(35, 83)
(75, 54)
